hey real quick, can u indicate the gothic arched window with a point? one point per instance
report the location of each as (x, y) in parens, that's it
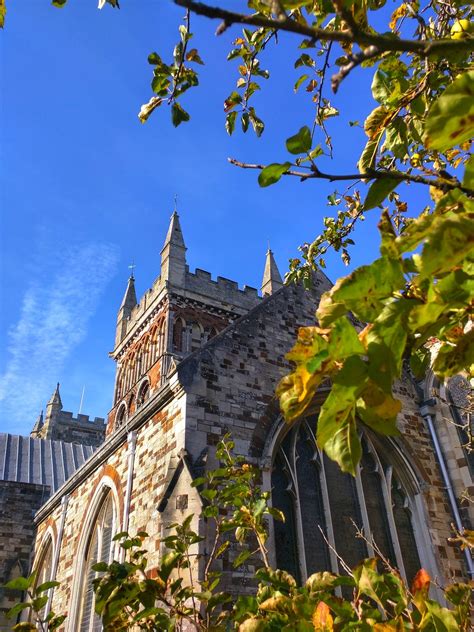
(99, 549)
(44, 567)
(143, 394)
(324, 508)
(121, 416)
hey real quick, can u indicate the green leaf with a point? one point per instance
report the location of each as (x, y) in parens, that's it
(241, 558)
(300, 143)
(378, 192)
(58, 3)
(450, 120)
(230, 122)
(300, 81)
(17, 608)
(39, 602)
(46, 586)
(272, 173)
(19, 583)
(442, 619)
(380, 86)
(344, 446)
(178, 115)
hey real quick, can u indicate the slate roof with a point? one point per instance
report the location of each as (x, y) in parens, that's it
(40, 461)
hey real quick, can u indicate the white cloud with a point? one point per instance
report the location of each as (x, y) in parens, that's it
(53, 320)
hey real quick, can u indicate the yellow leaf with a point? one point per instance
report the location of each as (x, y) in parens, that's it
(400, 12)
(322, 619)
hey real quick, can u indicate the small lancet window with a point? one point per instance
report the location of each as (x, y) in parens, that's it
(143, 394)
(178, 330)
(121, 415)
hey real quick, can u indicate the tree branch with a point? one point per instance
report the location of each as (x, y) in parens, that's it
(316, 174)
(423, 48)
(354, 61)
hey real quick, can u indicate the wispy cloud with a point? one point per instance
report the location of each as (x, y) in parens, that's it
(53, 320)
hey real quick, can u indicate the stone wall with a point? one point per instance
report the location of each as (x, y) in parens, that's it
(18, 504)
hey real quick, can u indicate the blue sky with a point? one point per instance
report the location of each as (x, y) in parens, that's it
(86, 188)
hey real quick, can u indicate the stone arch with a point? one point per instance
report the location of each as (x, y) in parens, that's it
(107, 488)
(121, 415)
(143, 392)
(387, 472)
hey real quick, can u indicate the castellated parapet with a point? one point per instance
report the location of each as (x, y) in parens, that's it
(60, 425)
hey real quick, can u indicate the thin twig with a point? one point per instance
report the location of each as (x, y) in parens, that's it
(343, 564)
(361, 37)
(320, 98)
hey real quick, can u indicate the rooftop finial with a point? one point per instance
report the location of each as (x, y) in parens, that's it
(272, 280)
(38, 425)
(175, 202)
(173, 253)
(132, 267)
(55, 399)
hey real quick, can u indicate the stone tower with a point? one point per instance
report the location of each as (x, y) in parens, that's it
(181, 312)
(60, 425)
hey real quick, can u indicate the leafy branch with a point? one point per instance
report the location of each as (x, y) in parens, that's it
(383, 43)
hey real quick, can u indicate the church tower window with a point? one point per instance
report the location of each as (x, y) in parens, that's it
(323, 507)
(178, 331)
(99, 549)
(121, 416)
(143, 394)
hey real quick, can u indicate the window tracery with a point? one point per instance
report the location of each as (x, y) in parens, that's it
(324, 507)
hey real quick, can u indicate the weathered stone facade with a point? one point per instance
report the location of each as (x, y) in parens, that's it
(18, 505)
(60, 425)
(196, 359)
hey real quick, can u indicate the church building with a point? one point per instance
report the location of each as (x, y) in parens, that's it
(197, 358)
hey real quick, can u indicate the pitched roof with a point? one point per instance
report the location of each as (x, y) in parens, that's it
(40, 461)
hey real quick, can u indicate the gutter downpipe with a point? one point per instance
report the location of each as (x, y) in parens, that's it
(132, 442)
(54, 570)
(425, 411)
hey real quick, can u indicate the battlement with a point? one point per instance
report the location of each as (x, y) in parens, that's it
(221, 289)
(202, 287)
(81, 420)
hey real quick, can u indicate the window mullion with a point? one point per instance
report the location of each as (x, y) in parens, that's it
(363, 512)
(327, 515)
(301, 556)
(386, 477)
